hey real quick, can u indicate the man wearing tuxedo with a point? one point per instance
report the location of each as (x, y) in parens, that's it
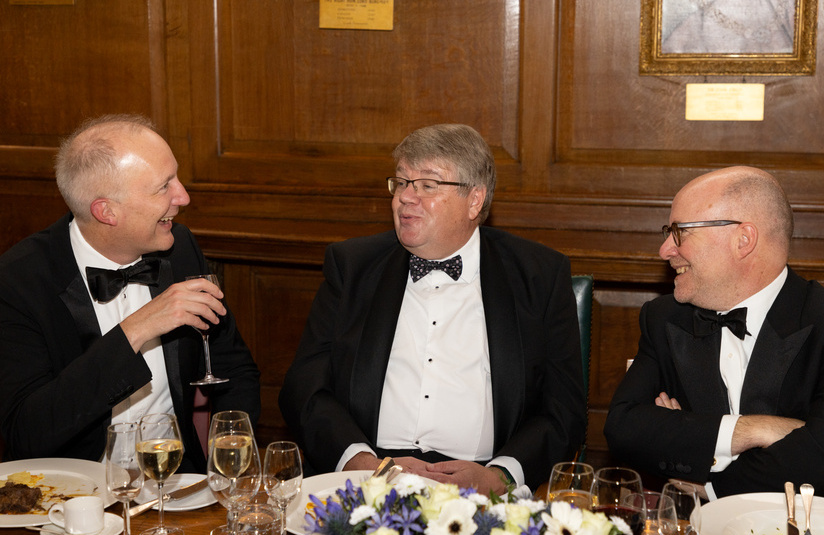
(727, 388)
(82, 347)
(466, 371)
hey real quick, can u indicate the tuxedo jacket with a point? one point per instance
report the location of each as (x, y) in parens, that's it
(785, 377)
(331, 395)
(59, 378)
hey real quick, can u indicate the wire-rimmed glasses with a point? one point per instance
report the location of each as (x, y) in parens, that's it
(424, 187)
(676, 228)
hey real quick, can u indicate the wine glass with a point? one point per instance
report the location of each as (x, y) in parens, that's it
(610, 489)
(282, 475)
(687, 505)
(124, 479)
(159, 452)
(571, 482)
(207, 379)
(233, 468)
(660, 512)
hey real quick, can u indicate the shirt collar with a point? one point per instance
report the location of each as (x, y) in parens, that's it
(760, 303)
(470, 256)
(85, 255)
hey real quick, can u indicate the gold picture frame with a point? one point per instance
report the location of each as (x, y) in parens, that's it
(695, 37)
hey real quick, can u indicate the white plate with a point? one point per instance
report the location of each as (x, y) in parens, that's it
(69, 477)
(112, 525)
(321, 486)
(199, 499)
(760, 513)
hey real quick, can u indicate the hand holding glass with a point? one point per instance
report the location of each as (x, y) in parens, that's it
(283, 475)
(124, 479)
(159, 453)
(571, 482)
(209, 378)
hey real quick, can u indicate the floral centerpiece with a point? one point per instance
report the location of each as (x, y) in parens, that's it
(411, 507)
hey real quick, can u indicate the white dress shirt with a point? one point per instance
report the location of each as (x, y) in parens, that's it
(437, 394)
(153, 397)
(733, 360)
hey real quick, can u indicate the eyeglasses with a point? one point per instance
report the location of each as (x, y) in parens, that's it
(425, 187)
(676, 228)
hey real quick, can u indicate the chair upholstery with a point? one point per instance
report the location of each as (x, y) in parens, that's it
(582, 286)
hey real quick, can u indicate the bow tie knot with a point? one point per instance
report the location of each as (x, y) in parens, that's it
(706, 322)
(420, 267)
(106, 284)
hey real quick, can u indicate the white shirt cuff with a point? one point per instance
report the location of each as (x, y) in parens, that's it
(350, 452)
(723, 444)
(513, 466)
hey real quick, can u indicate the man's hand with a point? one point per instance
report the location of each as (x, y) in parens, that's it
(185, 303)
(362, 461)
(663, 400)
(467, 474)
(761, 431)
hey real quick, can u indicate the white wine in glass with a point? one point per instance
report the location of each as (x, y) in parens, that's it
(571, 482)
(159, 453)
(124, 478)
(209, 378)
(282, 475)
(233, 468)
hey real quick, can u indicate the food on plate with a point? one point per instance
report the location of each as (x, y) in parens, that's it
(17, 498)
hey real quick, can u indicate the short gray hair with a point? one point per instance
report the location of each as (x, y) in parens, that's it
(86, 163)
(456, 145)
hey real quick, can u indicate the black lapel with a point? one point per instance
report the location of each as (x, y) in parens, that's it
(696, 362)
(372, 353)
(506, 357)
(171, 354)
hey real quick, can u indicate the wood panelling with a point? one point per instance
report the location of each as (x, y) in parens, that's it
(284, 132)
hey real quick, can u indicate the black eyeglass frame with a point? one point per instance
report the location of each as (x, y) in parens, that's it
(391, 179)
(676, 228)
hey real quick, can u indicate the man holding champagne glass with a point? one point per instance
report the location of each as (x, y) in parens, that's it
(97, 321)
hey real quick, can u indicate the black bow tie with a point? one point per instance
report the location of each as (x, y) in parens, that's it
(706, 322)
(106, 284)
(419, 267)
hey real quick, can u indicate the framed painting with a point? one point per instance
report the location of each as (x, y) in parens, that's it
(728, 37)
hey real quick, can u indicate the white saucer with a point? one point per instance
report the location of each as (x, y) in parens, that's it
(199, 499)
(112, 525)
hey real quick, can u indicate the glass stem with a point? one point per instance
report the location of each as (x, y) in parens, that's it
(160, 501)
(208, 355)
(127, 521)
(282, 519)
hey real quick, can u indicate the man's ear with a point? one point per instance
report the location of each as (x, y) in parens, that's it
(102, 210)
(746, 239)
(477, 197)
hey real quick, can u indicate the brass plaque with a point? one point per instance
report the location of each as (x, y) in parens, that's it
(725, 102)
(357, 14)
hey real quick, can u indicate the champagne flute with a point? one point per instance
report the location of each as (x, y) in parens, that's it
(282, 476)
(207, 379)
(124, 478)
(571, 482)
(159, 453)
(233, 468)
(687, 505)
(610, 489)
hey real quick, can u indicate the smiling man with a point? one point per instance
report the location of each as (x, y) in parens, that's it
(449, 346)
(727, 388)
(96, 319)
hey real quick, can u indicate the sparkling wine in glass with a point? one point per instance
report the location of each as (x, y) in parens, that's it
(124, 478)
(610, 491)
(159, 453)
(687, 505)
(571, 482)
(209, 378)
(282, 476)
(233, 469)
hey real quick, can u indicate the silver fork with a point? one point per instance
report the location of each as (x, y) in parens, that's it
(807, 491)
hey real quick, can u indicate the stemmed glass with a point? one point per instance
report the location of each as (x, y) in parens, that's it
(660, 512)
(124, 479)
(159, 452)
(207, 379)
(610, 490)
(282, 475)
(687, 505)
(571, 482)
(233, 468)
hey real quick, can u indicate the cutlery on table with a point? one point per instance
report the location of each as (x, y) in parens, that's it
(386, 464)
(182, 492)
(807, 491)
(792, 525)
(393, 472)
(47, 529)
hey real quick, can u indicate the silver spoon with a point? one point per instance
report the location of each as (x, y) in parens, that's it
(807, 491)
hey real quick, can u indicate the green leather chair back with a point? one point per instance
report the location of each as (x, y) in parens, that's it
(582, 287)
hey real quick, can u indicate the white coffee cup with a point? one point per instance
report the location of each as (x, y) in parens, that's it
(79, 516)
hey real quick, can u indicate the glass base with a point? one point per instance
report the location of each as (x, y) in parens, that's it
(209, 380)
(164, 530)
(221, 530)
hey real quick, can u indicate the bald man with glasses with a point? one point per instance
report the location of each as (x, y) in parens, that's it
(727, 387)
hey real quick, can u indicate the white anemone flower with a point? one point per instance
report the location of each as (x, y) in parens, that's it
(455, 519)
